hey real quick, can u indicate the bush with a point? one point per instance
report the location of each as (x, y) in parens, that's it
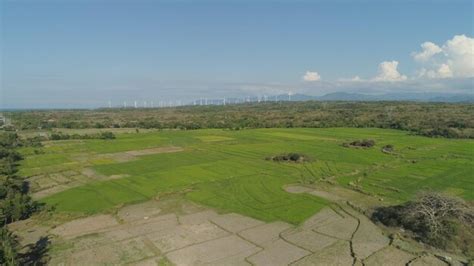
(365, 143)
(290, 157)
(387, 148)
(107, 135)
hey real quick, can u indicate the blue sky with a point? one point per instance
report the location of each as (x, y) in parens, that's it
(85, 52)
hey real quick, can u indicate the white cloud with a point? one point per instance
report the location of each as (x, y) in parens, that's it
(456, 59)
(311, 76)
(388, 71)
(429, 49)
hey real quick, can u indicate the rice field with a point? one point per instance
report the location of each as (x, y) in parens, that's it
(228, 170)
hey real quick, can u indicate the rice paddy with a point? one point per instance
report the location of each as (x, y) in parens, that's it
(227, 170)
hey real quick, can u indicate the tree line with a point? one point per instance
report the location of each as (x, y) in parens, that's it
(450, 120)
(15, 201)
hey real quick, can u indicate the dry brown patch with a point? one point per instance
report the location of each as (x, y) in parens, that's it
(85, 226)
(389, 256)
(185, 235)
(308, 239)
(297, 189)
(368, 238)
(428, 260)
(197, 218)
(111, 254)
(334, 255)
(278, 253)
(234, 223)
(139, 211)
(212, 251)
(169, 149)
(265, 234)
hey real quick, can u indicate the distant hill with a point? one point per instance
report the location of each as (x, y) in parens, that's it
(346, 96)
(421, 97)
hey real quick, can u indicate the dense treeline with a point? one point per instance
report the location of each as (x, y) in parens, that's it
(64, 136)
(15, 202)
(449, 120)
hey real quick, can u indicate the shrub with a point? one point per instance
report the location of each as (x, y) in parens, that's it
(289, 157)
(387, 148)
(107, 135)
(365, 143)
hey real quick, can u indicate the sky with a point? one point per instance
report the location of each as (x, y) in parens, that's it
(85, 53)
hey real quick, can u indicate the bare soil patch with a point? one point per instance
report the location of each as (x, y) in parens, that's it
(185, 235)
(428, 260)
(336, 254)
(341, 228)
(389, 256)
(85, 225)
(138, 211)
(278, 253)
(132, 155)
(197, 218)
(264, 235)
(234, 223)
(211, 251)
(297, 189)
(368, 238)
(169, 149)
(152, 232)
(323, 217)
(325, 195)
(308, 239)
(123, 252)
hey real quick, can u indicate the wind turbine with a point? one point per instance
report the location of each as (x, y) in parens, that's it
(136, 105)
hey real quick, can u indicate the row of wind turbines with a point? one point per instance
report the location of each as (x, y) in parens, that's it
(199, 102)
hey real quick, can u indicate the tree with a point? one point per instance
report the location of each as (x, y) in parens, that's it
(434, 218)
(432, 213)
(8, 248)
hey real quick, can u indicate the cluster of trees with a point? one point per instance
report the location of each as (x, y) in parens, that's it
(15, 202)
(442, 221)
(290, 157)
(451, 120)
(64, 136)
(365, 143)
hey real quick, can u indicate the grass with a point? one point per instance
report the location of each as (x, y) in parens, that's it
(227, 170)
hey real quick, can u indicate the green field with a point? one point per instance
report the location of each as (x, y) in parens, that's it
(227, 170)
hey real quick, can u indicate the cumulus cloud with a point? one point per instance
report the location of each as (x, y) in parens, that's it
(388, 71)
(455, 59)
(428, 50)
(311, 76)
